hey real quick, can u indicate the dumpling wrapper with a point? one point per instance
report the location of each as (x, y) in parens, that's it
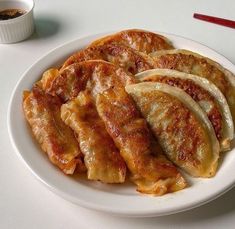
(101, 156)
(140, 40)
(42, 112)
(98, 77)
(125, 57)
(193, 63)
(205, 93)
(180, 126)
(150, 170)
(93, 75)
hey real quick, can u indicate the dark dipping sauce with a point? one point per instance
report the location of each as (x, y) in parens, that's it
(11, 13)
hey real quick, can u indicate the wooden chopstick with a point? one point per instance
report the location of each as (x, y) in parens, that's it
(215, 20)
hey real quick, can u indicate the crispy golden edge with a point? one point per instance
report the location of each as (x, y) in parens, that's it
(141, 40)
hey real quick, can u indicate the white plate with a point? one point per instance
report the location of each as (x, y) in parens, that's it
(116, 199)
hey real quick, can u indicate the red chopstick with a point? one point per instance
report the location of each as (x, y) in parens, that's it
(215, 20)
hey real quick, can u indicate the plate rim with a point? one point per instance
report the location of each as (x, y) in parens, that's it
(119, 212)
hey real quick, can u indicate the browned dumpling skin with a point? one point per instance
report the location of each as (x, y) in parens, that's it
(193, 63)
(42, 112)
(95, 76)
(150, 170)
(98, 76)
(127, 58)
(200, 95)
(141, 40)
(102, 158)
(181, 133)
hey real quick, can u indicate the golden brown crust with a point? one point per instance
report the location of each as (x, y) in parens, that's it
(42, 112)
(95, 76)
(151, 171)
(141, 40)
(199, 94)
(120, 55)
(102, 158)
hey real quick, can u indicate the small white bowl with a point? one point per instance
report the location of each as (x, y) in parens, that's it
(19, 28)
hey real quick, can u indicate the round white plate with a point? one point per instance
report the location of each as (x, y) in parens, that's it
(116, 199)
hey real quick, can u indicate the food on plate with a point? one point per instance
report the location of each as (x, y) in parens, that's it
(141, 40)
(150, 170)
(129, 59)
(205, 93)
(101, 156)
(180, 126)
(118, 109)
(42, 112)
(94, 75)
(193, 63)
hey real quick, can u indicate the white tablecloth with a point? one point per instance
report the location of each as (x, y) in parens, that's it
(24, 201)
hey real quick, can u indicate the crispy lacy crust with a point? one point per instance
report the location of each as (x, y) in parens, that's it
(102, 158)
(95, 76)
(183, 136)
(200, 95)
(150, 170)
(127, 58)
(141, 40)
(42, 112)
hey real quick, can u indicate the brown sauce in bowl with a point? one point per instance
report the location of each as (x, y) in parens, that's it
(11, 13)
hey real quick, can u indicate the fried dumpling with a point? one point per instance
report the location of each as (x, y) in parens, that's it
(180, 126)
(141, 40)
(101, 157)
(127, 58)
(94, 75)
(150, 170)
(99, 76)
(193, 63)
(205, 93)
(42, 112)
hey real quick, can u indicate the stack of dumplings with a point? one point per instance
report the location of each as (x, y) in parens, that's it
(131, 105)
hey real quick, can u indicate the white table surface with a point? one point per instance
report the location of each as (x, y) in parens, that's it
(24, 201)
